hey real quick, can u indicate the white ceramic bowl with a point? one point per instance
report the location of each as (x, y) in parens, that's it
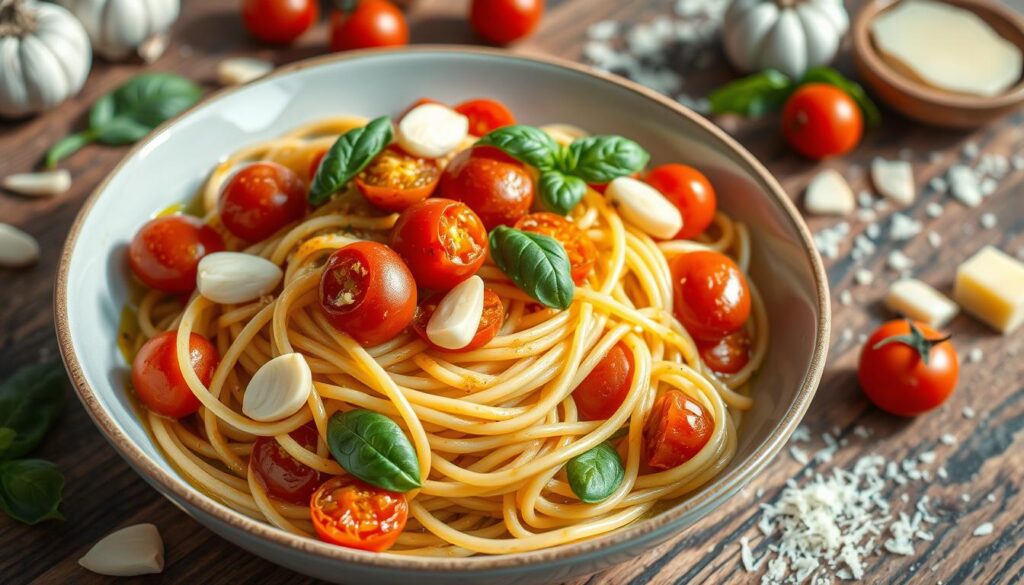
(171, 163)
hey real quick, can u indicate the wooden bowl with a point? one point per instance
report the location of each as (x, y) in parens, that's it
(923, 102)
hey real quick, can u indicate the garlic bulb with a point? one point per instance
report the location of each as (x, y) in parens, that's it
(119, 27)
(44, 56)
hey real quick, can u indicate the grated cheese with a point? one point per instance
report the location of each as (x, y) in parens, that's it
(903, 227)
(984, 529)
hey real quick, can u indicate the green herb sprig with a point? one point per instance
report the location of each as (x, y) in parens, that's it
(349, 155)
(373, 448)
(595, 474)
(536, 263)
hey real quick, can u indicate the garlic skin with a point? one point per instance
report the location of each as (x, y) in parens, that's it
(118, 28)
(129, 552)
(234, 277)
(278, 389)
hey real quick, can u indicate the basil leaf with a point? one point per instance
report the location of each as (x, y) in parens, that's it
(6, 438)
(536, 263)
(595, 474)
(30, 490)
(347, 156)
(30, 402)
(599, 159)
(753, 96)
(373, 448)
(560, 192)
(872, 117)
(530, 145)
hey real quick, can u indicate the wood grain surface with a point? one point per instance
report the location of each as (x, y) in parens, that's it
(103, 494)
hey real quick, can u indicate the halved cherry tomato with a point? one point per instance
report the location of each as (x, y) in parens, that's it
(442, 241)
(491, 320)
(368, 292)
(907, 369)
(690, 191)
(676, 430)
(601, 393)
(499, 191)
(158, 380)
(821, 120)
(581, 251)
(485, 115)
(283, 476)
(165, 253)
(260, 199)
(348, 512)
(503, 21)
(373, 23)
(279, 21)
(712, 298)
(395, 179)
(729, 354)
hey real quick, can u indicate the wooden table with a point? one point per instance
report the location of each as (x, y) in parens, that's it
(103, 494)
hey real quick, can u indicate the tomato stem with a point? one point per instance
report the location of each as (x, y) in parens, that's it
(916, 340)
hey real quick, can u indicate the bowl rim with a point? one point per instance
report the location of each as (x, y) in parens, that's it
(719, 488)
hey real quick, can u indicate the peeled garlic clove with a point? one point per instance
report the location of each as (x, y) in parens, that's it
(457, 317)
(44, 184)
(278, 389)
(829, 194)
(234, 277)
(131, 551)
(645, 207)
(17, 249)
(432, 130)
(241, 70)
(894, 179)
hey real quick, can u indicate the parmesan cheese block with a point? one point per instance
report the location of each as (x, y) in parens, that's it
(829, 194)
(947, 47)
(990, 286)
(919, 301)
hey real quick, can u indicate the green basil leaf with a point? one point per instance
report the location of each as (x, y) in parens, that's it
(30, 490)
(595, 474)
(599, 159)
(753, 96)
(350, 154)
(30, 402)
(530, 145)
(373, 448)
(872, 117)
(6, 438)
(560, 192)
(536, 263)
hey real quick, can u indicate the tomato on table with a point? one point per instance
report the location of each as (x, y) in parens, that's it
(279, 21)
(491, 321)
(281, 475)
(485, 115)
(602, 392)
(395, 179)
(821, 120)
(372, 23)
(676, 430)
(907, 368)
(442, 241)
(165, 253)
(158, 380)
(580, 249)
(712, 298)
(503, 21)
(727, 355)
(260, 199)
(690, 191)
(367, 291)
(497, 188)
(350, 513)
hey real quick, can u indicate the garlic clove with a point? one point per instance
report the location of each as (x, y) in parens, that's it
(432, 130)
(457, 317)
(894, 179)
(17, 248)
(241, 70)
(235, 277)
(829, 194)
(44, 184)
(135, 550)
(645, 207)
(278, 389)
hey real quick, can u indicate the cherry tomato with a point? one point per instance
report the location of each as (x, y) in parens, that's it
(712, 298)
(260, 199)
(676, 430)
(729, 354)
(348, 512)
(491, 320)
(442, 241)
(581, 251)
(395, 180)
(158, 380)
(485, 115)
(283, 476)
(503, 21)
(165, 253)
(821, 120)
(373, 23)
(499, 191)
(279, 21)
(690, 191)
(368, 292)
(907, 369)
(601, 393)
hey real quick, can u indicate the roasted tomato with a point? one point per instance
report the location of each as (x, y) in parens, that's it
(729, 354)
(158, 380)
(442, 241)
(348, 512)
(368, 292)
(821, 120)
(907, 368)
(373, 23)
(690, 191)
(165, 253)
(485, 115)
(395, 179)
(676, 430)
(602, 392)
(581, 251)
(491, 320)
(503, 21)
(498, 189)
(279, 21)
(284, 477)
(712, 298)
(260, 199)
